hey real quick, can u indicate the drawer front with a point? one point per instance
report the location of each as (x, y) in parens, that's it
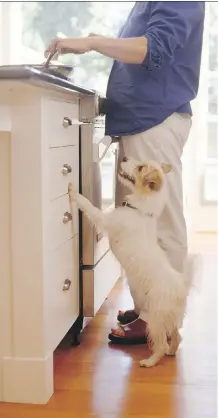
(60, 123)
(64, 168)
(98, 282)
(61, 227)
(62, 291)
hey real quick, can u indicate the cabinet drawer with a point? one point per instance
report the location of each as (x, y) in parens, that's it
(98, 282)
(61, 228)
(64, 168)
(60, 123)
(62, 291)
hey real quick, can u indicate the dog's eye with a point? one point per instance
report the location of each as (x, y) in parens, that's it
(140, 167)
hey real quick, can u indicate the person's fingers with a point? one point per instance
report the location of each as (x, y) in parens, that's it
(66, 46)
(63, 48)
(52, 47)
(63, 51)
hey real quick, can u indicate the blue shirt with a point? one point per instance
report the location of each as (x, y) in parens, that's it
(143, 96)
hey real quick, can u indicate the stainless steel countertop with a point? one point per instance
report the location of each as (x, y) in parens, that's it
(25, 72)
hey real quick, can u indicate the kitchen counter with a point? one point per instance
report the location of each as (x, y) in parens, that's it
(28, 73)
(40, 117)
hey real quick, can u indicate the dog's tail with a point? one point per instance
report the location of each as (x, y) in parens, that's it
(193, 278)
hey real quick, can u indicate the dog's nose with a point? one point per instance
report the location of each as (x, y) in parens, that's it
(125, 159)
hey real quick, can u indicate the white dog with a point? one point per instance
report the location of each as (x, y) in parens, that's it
(155, 286)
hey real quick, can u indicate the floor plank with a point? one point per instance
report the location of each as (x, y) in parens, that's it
(96, 379)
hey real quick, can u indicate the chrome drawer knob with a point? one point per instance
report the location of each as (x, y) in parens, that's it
(67, 122)
(66, 285)
(67, 217)
(66, 169)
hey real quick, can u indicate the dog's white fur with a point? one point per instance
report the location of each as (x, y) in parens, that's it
(155, 286)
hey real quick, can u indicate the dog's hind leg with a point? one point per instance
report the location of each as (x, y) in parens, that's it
(174, 343)
(160, 347)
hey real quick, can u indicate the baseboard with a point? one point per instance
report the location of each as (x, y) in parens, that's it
(28, 380)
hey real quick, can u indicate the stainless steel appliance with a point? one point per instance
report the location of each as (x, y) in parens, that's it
(62, 71)
(98, 157)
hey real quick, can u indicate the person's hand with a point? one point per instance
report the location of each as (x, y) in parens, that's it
(70, 46)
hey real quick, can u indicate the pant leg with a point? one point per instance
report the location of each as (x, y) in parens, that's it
(164, 143)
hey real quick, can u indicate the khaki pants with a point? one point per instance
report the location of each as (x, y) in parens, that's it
(163, 143)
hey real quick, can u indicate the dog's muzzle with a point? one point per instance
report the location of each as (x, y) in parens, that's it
(126, 176)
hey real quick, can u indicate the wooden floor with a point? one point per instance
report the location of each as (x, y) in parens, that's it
(103, 381)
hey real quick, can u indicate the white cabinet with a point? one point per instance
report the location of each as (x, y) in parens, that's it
(62, 224)
(61, 291)
(39, 242)
(63, 169)
(60, 123)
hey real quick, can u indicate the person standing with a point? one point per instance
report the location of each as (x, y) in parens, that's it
(155, 75)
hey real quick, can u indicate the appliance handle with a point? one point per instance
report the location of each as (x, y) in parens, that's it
(107, 141)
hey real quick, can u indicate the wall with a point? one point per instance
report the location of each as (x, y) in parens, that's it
(200, 216)
(5, 245)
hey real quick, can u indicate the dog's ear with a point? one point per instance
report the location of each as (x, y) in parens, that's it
(166, 168)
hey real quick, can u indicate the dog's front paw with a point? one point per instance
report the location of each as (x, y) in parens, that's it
(72, 192)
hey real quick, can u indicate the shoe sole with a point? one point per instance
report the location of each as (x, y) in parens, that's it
(115, 339)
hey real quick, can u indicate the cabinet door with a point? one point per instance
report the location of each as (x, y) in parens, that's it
(62, 223)
(98, 283)
(60, 123)
(61, 291)
(64, 169)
